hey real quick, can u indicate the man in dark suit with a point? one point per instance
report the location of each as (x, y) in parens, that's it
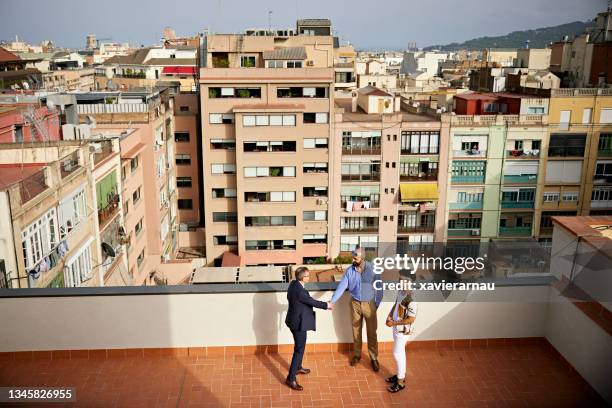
(300, 319)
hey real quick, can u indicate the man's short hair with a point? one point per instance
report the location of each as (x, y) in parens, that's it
(300, 272)
(357, 252)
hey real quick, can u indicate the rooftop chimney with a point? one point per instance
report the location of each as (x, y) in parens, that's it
(354, 101)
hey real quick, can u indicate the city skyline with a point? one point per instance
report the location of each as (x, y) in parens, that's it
(137, 28)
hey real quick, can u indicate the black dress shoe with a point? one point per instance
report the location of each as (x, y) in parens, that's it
(392, 379)
(375, 365)
(303, 370)
(294, 385)
(396, 387)
(355, 360)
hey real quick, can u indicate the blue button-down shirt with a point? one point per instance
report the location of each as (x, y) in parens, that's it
(360, 285)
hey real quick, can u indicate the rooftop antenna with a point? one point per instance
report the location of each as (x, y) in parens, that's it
(269, 22)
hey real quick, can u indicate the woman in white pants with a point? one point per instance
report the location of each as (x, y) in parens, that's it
(401, 318)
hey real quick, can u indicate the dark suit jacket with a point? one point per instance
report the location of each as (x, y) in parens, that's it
(300, 316)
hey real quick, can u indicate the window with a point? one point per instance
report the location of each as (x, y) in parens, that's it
(535, 110)
(601, 194)
(605, 115)
(225, 217)
(468, 168)
(586, 115)
(314, 238)
(163, 196)
(269, 146)
(286, 196)
(321, 117)
(221, 118)
(294, 64)
(420, 142)
(39, 238)
(140, 258)
(315, 215)
(298, 92)
(223, 144)
(225, 239)
(465, 197)
(315, 168)
(274, 64)
(564, 119)
(247, 61)
(136, 196)
(570, 196)
(605, 143)
(184, 108)
(223, 192)
(261, 245)
(269, 172)
(215, 92)
(183, 182)
(562, 145)
(72, 210)
(181, 137)
(182, 159)
(185, 204)
(465, 223)
(318, 143)
(550, 197)
(138, 228)
(268, 120)
(603, 169)
(315, 191)
(270, 221)
(134, 164)
(518, 145)
(223, 168)
(78, 267)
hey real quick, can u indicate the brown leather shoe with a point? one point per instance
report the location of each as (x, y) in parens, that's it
(375, 365)
(355, 360)
(294, 385)
(303, 370)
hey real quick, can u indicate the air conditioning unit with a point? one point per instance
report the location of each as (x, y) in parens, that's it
(475, 232)
(95, 148)
(321, 201)
(310, 63)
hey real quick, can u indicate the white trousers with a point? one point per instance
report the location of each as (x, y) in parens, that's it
(399, 353)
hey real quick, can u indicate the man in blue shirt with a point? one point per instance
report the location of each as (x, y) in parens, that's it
(359, 279)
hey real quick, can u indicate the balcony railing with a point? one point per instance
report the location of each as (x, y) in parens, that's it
(420, 177)
(521, 178)
(415, 228)
(361, 177)
(517, 204)
(604, 152)
(565, 151)
(361, 151)
(359, 206)
(106, 213)
(469, 153)
(522, 154)
(464, 232)
(365, 228)
(69, 164)
(515, 231)
(105, 150)
(474, 205)
(467, 179)
(32, 186)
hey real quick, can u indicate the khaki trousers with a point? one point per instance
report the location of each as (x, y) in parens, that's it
(359, 312)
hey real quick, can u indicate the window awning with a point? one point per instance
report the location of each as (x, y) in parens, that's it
(179, 70)
(419, 192)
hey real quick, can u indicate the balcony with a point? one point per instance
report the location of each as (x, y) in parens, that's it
(467, 179)
(517, 204)
(604, 152)
(521, 178)
(515, 231)
(474, 205)
(365, 229)
(464, 232)
(109, 210)
(361, 177)
(522, 154)
(355, 151)
(403, 229)
(105, 149)
(565, 151)
(469, 153)
(419, 177)
(69, 164)
(31, 186)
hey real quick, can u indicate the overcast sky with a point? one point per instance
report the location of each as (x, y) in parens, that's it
(367, 24)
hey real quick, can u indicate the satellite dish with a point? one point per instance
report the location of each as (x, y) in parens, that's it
(108, 250)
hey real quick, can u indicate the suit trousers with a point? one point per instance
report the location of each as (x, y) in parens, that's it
(361, 311)
(299, 340)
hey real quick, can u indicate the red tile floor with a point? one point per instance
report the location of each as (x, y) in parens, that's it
(495, 376)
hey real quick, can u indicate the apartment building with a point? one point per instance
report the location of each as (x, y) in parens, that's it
(56, 206)
(267, 103)
(494, 176)
(390, 178)
(144, 185)
(579, 164)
